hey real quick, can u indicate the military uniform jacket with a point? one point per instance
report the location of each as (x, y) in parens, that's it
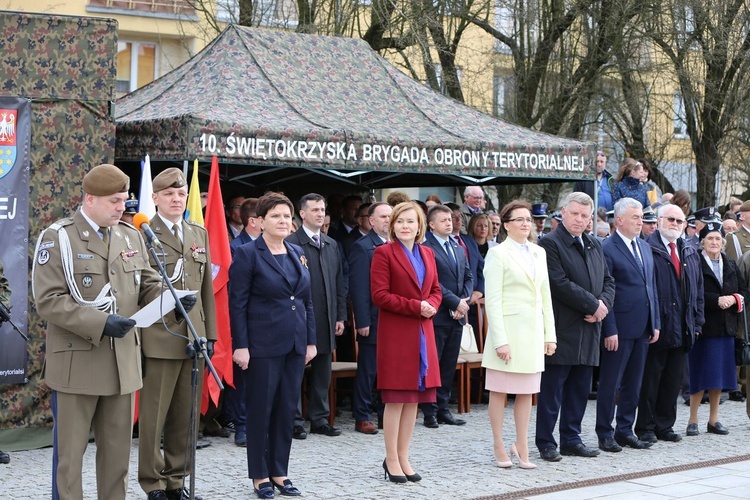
(4, 288)
(196, 275)
(738, 240)
(79, 358)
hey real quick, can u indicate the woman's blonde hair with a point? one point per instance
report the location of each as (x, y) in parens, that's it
(401, 208)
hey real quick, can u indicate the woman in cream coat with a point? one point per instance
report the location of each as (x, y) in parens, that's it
(521, 327)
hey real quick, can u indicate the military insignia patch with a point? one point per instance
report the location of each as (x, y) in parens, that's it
(87, 281)
(47, 244)
(43, 257)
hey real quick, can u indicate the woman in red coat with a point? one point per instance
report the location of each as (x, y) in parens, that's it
(404, 284)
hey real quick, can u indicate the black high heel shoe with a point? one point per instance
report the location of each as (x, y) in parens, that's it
(413, 478)
(392, 478)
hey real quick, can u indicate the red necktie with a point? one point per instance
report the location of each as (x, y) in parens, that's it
(675, 260)
(462, 245)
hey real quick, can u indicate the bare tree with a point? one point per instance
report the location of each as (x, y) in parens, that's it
(707, 43)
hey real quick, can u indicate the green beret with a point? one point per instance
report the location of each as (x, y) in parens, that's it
(170, 178)
(105, 180)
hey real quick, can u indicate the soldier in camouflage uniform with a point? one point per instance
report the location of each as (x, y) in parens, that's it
(5, 299)
(166, 398)
(90, 275)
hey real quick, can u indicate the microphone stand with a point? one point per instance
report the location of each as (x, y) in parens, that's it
(194, 350)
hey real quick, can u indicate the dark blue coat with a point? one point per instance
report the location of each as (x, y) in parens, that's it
(240, 240)
(630, 187)
(360, 259)
(268, 314)
(476, 262)
(456, 282)
(636, 307)
(680, 300)
(722, 322)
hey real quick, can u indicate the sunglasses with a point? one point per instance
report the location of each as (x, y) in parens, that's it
(674, 219)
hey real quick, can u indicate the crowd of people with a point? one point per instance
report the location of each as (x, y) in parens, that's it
(653, 305)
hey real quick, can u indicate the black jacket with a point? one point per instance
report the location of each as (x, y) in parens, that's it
(721, 322)
(680, 300)
(578, 280)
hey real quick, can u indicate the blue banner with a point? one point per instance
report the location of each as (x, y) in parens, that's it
(15, 142)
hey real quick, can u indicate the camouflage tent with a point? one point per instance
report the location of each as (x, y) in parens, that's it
(332, 106)
(66, 66)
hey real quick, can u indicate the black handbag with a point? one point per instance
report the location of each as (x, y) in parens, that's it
(742, 346)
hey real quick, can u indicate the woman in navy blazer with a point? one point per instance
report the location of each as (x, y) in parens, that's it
(273, 336)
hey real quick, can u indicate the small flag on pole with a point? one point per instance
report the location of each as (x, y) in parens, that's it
(194, 209)
(145, 199)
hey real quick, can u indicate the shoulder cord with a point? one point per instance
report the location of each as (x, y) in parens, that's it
(105, 301)
(178, 268)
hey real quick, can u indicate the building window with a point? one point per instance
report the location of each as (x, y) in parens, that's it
(680, 120)
(136, 65)
(441, 81)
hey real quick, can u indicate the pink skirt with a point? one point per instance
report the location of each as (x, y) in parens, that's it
(397, 396)
(512, 383)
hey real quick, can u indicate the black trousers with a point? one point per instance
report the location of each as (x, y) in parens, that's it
(272, 386)
(662, 376)
(448, 343)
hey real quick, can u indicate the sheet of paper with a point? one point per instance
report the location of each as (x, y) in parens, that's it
(158, 307)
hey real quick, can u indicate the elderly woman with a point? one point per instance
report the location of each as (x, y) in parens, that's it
(273, 336)
(521, 327)
(480, 230)
(711, 360)
(405, 287)
(628, 183)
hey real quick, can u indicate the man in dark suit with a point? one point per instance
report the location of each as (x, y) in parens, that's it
(456, 284)
(232, 212)
(627, 331)
(679, 285)
(251, 225)
(348, 222)
(582, 294)
(363, 227)
(476, 261)
(366, 314)
(329, 305)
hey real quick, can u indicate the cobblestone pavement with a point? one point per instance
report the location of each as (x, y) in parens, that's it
(455, 462)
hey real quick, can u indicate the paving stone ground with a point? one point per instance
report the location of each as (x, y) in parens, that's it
(455, 462)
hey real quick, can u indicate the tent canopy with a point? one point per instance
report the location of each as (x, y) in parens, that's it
(267, 99)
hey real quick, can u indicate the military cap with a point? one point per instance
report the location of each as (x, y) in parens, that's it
(611, 215)
(745, 207)
(539, 210)
(170, 178)
(557, 215)
(105, 180)
(706, 214)
(649, 216)
(690, 220)
(131, 205)
(710, 227)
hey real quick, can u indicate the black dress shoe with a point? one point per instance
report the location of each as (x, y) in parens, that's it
(736, 396)
(240, 439)
(692, 430)
(326, 430)
(221, 432)
(633, 442)
(579, 450)
(299, 432)
(413, 478)
(670, 436)
(157, 495)
(287, 489)
(717, 428)
(648, 437)
(550, 454)
(180, 494)
(610, 445)
(264, 490)
(447, 418)
(4, 458)
(431, 422)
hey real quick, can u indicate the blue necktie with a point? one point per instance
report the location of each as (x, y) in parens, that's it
(452, 258)
(637, 258)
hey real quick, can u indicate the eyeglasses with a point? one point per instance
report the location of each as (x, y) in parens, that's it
(674, 219)
(475, 197)
(527, 220)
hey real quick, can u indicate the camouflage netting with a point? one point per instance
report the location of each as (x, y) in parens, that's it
(275, 98)
(66, 65)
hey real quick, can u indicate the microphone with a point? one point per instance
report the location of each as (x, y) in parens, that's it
(140, 221)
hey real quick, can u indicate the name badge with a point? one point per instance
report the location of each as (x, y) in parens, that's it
(85, 256)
